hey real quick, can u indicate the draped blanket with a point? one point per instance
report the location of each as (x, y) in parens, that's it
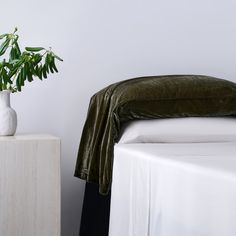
(144, 98)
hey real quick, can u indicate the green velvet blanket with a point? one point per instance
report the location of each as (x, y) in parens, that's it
(144, 98)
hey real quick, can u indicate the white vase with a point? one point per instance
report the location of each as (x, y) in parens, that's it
(8, 118)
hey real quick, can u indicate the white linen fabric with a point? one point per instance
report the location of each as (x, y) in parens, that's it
(174, 190)
(190, 129)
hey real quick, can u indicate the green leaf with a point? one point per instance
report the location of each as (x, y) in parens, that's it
(47, 61)
(18, 85)
(36, 70)
(47, 58)
(28, 72)
(3, 84)
(4, 46)
(30, 77)
(15, 68)
(24, 73)
(37, 58)
(53, 65)
(34, 49)
(18, 51)
(45, 72)
(47, 68)
(12, 72)
(58, 58)
(22, 81)
(12, 54)
(3, 35)
(40, 74)
(26, 68)
(5, 77)
(15, 38)
(9, 66)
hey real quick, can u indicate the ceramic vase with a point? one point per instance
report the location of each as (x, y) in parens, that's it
(8, 117)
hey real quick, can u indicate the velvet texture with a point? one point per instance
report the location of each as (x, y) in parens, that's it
(145, 98)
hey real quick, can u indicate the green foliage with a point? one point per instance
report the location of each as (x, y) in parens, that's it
(21, 66)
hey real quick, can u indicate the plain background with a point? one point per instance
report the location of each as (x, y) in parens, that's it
(106, 41)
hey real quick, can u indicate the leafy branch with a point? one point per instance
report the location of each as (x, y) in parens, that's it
(21, 66)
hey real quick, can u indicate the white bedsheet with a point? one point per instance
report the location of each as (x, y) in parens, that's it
(174, 190)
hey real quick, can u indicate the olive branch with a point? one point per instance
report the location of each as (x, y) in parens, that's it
(21, 66)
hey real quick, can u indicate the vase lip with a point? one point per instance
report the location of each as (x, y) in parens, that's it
(5, 91)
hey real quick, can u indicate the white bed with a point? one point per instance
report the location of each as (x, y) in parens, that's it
(174, 189)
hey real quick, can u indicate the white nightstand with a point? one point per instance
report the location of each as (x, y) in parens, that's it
(30, 183)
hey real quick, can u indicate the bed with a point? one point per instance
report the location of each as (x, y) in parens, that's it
(165, 178)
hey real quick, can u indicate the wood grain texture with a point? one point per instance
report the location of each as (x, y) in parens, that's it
(30, 185)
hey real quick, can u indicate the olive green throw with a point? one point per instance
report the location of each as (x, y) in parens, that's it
(145, 98)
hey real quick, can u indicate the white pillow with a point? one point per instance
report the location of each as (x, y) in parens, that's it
(174, 130)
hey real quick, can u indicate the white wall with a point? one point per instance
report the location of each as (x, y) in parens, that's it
(106, 41)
